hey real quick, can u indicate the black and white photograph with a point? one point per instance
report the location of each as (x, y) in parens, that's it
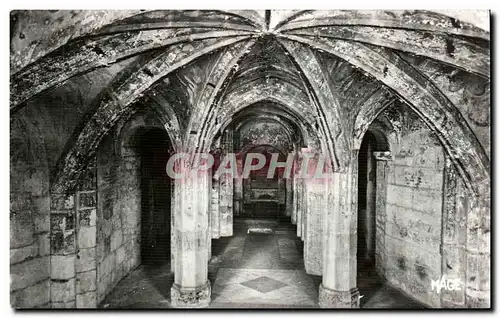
(250, 159)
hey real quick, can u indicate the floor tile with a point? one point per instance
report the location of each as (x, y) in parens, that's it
(250, 271)
(264, 284)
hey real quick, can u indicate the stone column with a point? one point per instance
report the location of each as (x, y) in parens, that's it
(299, 204)
(226, 205)
(300, 195)
(210, 205)
(316, 207)
(173, 243)
(214, 210)
(289, 197)
(238, 190)
(313, 238)
(191, 288)
(382, 158)
(294, 200)
(226, 191)
(338, 287)
(303, 206)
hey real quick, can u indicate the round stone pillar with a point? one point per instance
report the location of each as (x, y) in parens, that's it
(191, 288)
(238, 189)
(338, 288)
(289, 197)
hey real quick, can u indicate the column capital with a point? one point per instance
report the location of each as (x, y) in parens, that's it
(329, 298)
(190, 297)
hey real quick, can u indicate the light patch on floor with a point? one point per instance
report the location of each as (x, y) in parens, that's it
(260, 231)
(263, 286)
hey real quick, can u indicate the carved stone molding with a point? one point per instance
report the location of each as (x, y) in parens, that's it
(185, 297)
(329, 298)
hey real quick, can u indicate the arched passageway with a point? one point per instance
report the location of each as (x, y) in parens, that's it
(134, 199)
(156, 197)
(261, 264)
(367, 178)
(400, 209)
(264, 196)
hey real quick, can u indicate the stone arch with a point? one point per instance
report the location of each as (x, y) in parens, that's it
(112, 37)
(166, 115)
(381, 140)
(248, 20)
(331, 121)
(270, 119)
(419, 43)
(66, 28)
(411, 181)
(247, 97)
(423, 97)
(123, 196)
(58, 67)
(406, 19)
(129, 133)
(369, 111)
(218, 78)
(119, 100)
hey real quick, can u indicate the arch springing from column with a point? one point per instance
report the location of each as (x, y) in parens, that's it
(424, 98)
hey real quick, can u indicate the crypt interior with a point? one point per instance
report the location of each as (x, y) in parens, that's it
(398, 100)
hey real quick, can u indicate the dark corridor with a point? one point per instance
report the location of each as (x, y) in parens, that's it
(156, 197)
(366, 205)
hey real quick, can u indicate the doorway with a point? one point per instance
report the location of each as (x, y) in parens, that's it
(155, 197)
(264, 198)
(367, 176)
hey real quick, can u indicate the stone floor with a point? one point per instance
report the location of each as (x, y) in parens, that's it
(250, 270)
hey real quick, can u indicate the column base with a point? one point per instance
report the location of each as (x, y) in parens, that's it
(329, 298)
(185, 297)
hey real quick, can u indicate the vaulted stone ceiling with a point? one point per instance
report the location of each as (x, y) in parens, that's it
(336, 70)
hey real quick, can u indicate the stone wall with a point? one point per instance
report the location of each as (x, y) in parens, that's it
(44, 224)
(455, 206)
(470, 93)
(29, 213)
(409, 225)
(466, 243)
(118, 215)
(63, 249)
(86, 226)
(263, 132)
